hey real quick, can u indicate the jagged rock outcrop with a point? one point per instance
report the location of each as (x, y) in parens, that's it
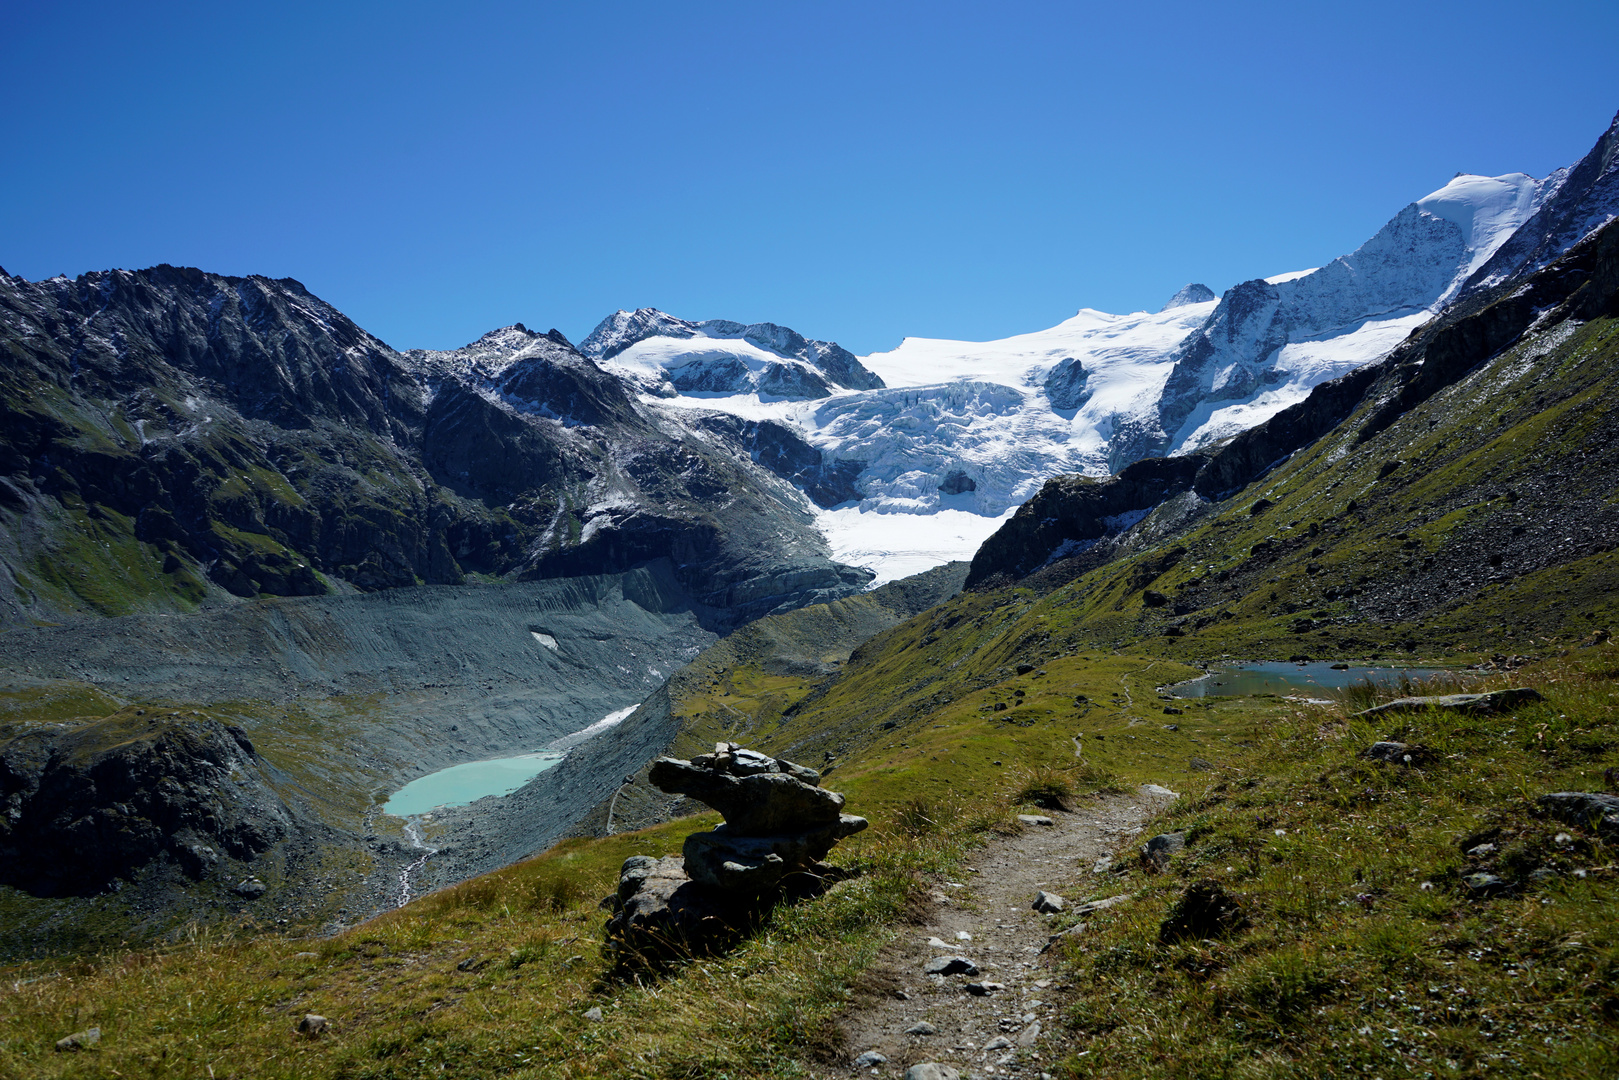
(1066, 383)
(1072, 512)
(84, 805)
(784, 451)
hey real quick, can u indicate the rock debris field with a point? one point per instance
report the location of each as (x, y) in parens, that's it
(990, 1006)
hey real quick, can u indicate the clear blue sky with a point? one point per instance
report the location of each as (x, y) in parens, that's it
(858, 171)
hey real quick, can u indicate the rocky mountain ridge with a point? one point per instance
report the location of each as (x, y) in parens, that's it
(722, 357)
(172, 438)
(195, 437)
(1073, 514)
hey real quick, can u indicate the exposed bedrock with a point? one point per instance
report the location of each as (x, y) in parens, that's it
(82, 806)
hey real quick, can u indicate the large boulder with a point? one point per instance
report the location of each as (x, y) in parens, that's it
(1586, 809)
(659, 912)
(1496, 701)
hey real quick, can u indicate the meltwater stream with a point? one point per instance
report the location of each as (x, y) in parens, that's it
(414, 832)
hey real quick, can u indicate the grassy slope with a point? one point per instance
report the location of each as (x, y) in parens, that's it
(1351, 966)
(1351, 963)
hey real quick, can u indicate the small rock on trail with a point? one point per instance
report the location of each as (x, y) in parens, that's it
(951, 965)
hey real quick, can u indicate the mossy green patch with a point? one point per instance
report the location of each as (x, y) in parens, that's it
(94, 559)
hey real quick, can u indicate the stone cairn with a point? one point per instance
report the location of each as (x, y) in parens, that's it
(779, 824)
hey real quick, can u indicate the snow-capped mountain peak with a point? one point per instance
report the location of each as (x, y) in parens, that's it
(664, 356)
(492, 355)
(1195, 293)
(1569, 205)
(1487, 210)
(622, 329)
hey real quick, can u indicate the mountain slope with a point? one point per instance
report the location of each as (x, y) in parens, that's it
(174, 438)
(1483, 438)
(1456, 501)
(1575, 202)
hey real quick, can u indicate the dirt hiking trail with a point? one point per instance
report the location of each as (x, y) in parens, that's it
(1001, 1020)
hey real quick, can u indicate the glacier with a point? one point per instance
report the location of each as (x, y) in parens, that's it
(946, 438)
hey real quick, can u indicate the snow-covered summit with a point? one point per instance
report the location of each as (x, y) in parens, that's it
(1271, 340)
(1569, 205)
(1487, 210)
(489, 358)
(1194, 293)
(664, 356)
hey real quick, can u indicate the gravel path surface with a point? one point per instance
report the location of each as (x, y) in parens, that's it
(988, 919)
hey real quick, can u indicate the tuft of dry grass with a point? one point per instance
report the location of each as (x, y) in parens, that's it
(1047, 788)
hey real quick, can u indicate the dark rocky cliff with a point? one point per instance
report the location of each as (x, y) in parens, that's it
(83, 805)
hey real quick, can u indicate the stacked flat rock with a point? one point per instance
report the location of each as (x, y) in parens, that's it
(778, 819)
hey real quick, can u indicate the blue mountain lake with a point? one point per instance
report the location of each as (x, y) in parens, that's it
(1282, 677)
(468, 782)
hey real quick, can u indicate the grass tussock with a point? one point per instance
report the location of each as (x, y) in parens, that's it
(1048, 789)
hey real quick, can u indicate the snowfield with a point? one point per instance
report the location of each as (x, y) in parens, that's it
(897, 545)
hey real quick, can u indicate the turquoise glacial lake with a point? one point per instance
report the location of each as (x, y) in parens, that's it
(1281, 677)
(468, 782)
